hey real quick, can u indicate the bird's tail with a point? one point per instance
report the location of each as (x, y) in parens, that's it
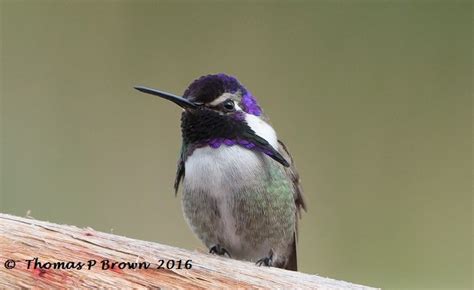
(292, 263)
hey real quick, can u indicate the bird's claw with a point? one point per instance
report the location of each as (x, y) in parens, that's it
(267, 261)
(218, 250)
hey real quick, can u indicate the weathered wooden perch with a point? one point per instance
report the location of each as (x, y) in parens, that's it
(23, 239)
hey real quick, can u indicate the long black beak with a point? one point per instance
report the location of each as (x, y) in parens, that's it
(180, 101)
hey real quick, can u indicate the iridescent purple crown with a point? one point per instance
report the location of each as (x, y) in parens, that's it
(207, 88)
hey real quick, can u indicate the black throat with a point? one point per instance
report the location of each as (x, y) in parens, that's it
(204, 126)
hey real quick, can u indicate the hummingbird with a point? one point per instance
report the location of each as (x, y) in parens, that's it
(241, 192)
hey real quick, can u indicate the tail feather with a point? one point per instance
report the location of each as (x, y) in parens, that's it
(292, 263)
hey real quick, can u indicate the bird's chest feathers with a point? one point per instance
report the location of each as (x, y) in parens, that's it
(220, 172)
(225, 170)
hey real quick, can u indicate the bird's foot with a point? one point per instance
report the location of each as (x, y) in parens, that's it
(218, 250)
(267, 261)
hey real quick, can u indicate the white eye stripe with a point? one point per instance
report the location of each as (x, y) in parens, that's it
(221, 99)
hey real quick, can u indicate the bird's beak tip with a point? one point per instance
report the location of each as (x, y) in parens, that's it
(180, 101)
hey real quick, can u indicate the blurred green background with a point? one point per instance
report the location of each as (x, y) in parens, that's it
(372, 98)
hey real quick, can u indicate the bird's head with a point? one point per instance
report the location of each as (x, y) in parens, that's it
(219, 111)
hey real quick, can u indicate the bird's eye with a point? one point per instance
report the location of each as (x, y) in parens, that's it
(229, 105)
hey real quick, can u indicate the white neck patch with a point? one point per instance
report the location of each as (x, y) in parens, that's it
(262, 129)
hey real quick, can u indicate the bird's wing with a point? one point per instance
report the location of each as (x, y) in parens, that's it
(180, 169)
(300, 204)
(295, 179)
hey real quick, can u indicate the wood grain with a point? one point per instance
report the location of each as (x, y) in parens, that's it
(23, 239)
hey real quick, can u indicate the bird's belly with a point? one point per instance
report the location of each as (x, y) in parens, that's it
(226, 201)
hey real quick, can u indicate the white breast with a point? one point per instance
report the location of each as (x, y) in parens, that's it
(219, 174)
(220, 171)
